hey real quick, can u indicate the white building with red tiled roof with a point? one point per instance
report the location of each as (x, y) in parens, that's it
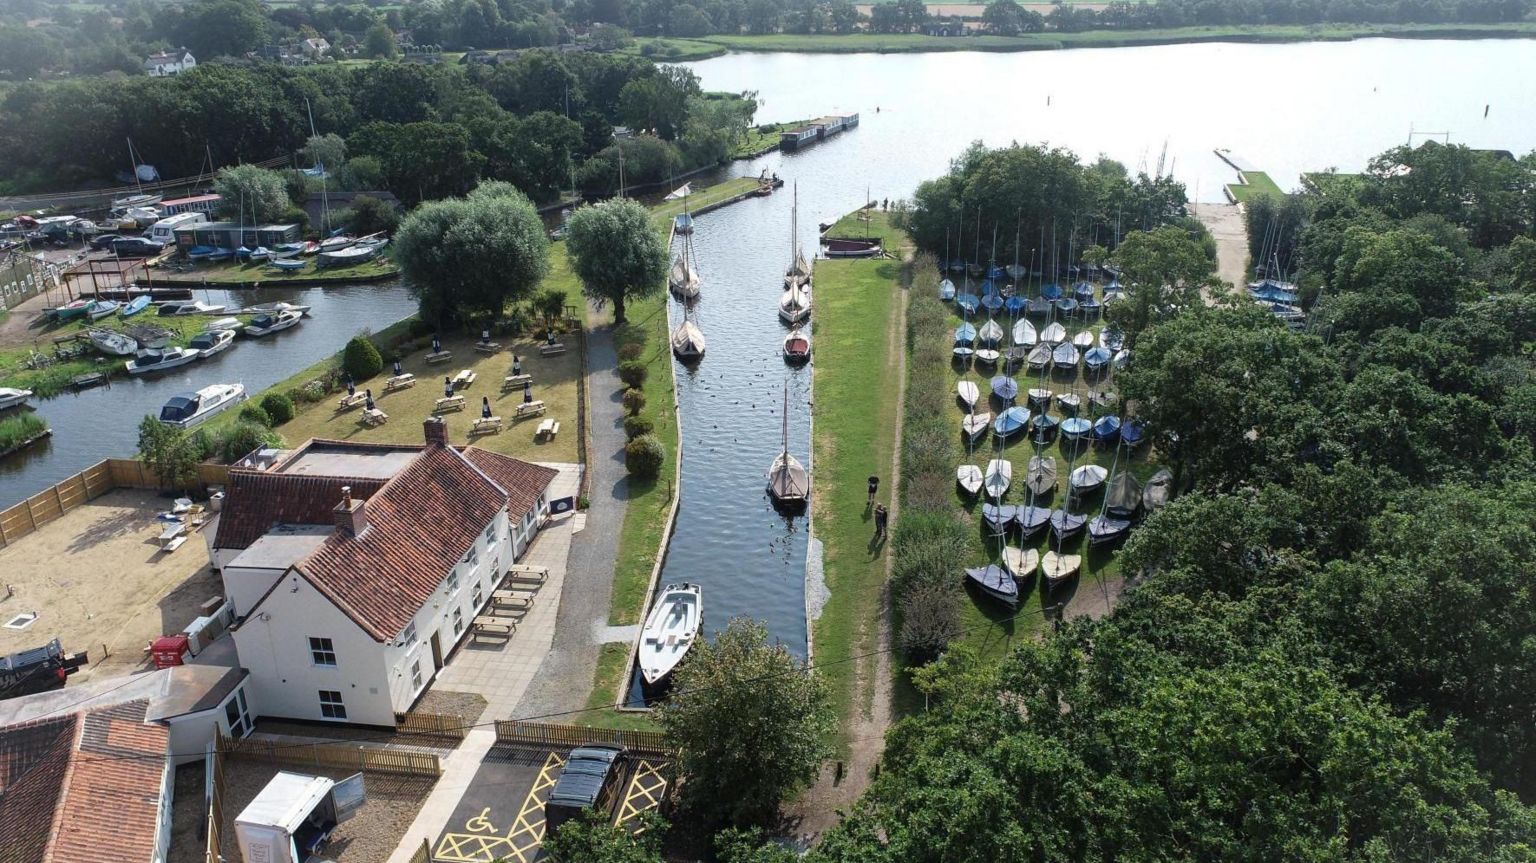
(354, 570)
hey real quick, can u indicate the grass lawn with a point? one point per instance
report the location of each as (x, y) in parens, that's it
(701, 198)
(1253, 183)
(760, 139)
(673, 50)
(855, 393)
(879, 224)
(612, 666)
(256, 272)
(54, 378)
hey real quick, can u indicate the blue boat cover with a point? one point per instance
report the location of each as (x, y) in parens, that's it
(1075, 427)
(1097, 358)
(1005, 388)
(964, 333)
(1107, 428)
(1010, 421)
(968, 302)
(993, 302)
(1051, 291)
(1132, 433)
(1016, 304)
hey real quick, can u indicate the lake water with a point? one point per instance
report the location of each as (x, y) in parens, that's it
(103, 422)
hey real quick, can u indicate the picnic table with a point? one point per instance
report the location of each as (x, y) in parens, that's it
(487, 347)
(552, 349)
(514, 381)
(448, 403)
(439, 356)
(351, 401)
(173, 536)
(374, 417)
(524, 572)
(515, 598)
(491, 625)
(486, 425)
(464, 378)
(400, 382)
(528, 409)
(548, 428)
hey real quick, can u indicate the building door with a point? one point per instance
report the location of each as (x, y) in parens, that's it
(437, 651)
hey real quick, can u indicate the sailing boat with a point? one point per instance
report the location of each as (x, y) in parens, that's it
(683, 279)
(687, 338)
(788, 482)
(799, 272)
(1122, 498)
(998, 476)
(968, 475)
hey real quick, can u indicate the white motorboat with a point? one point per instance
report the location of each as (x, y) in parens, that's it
(222, 324)
(266, 325)
(211, 342)
(998, 476)
(113, 343)
(670, 630)
(188, 307)
(157, 360)
(274, 308)
(10, 397)
(189, 409)
(969, 478)
(968, 392)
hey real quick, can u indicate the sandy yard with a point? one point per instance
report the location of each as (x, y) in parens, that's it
(96, 576)
(1225, 222)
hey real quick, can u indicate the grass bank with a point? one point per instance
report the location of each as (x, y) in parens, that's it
(763, 139)
(856, 351)
(257, 274)
(702, 199)
(52, 369)
(917, 44)
(672, 50)
(1253, 183)
(870, 222)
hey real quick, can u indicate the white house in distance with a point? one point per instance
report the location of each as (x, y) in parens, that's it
(355, 569)
(315, 48)
(168, 63)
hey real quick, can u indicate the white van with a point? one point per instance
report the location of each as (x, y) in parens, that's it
(164, 231)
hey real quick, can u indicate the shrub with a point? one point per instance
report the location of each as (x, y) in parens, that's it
(633, 372)
(255, 413)
(279, 407)
(631, 351)
(361, 359)
(240, 439)
(644, 456)
(204, 444)
(930, 620)
(418, 328)
(309, 393)
(925, 547)
(23, 426)
(634, 401)
(636, 426)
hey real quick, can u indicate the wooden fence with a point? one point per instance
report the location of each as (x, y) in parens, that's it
(342, 756)
(106, 475)
(433, 725)
(214, 785)
(538, 734)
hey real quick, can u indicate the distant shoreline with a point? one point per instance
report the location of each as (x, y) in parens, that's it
(706, 47)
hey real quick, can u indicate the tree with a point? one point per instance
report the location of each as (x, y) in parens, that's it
(659, 102)
(325, 151)
(222, 28)
(253, 193)
(473, 254)
(278, 406)
(369, 215)
(379, 42)
(549, 305)
(644, 455)
(617, 253)
(361, 360)
(1004, 17)
(751, 722)
(1165, 271)
(592, 839)
(168, 452)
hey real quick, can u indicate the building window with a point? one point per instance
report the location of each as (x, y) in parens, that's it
(458, 621)
(416, 676)
(331, 706)
(453, 582)
(478, 595)
(490, 531)
(235, 712)
(408, 637)
(472, 556)
(322, 651)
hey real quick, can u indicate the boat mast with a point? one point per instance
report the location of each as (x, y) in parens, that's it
(325, 196)
(133, 167)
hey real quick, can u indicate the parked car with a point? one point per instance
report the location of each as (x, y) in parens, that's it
(590, 779)
(105, 241)
(136, 247)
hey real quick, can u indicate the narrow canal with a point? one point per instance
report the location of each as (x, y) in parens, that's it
(103, 422)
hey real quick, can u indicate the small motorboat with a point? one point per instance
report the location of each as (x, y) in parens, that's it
(797, 346)
(1086, 478)
(968, 393)
(72, 310)
(134, 306)
(1010, 422)
(225, 323)
(974, 426)
(670, 630)
(159, 360)
(265, 325)
(113, 343)
(189, 409)
(1040, 474)
(969, 478)
(1024, 334)
(287, 264)
(995, 582)
(274, 308)
(1054, 334)
(11, 397)
(211, 342)
(1058, 567)
(176, 308)
(997, 478)
(103, 308)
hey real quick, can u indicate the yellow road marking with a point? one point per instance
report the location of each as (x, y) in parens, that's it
(521, 844)
(645, 791)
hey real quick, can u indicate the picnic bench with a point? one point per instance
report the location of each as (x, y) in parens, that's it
(400, 382)
(487, 347)
(464, 378)
(547, 429)
(486, 425)
(489, 625)
(439, 356)
(528, 409)
(515, 598)
(351, 401)
(374, 417)
(172, 537)
(553, 349)
(514, 381)
(448, 403)
(525, 573)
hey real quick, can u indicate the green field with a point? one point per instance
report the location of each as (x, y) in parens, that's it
(856, 351)
(1253, 183)
(672, 50)
(257, 273)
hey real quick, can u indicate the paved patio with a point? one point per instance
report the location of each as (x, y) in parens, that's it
(499, 669)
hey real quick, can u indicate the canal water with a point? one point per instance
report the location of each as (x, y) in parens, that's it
(103, 422)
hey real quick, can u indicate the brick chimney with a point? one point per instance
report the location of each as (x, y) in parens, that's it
(351, 513)
(436, 431)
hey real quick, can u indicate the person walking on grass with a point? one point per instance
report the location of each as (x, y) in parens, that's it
(881, 515)
(874, 486)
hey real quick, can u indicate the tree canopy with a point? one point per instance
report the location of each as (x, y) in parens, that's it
(616, 252)
(252, 193)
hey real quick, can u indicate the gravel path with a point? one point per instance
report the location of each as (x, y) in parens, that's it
(565, 676)
(1225, 222)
